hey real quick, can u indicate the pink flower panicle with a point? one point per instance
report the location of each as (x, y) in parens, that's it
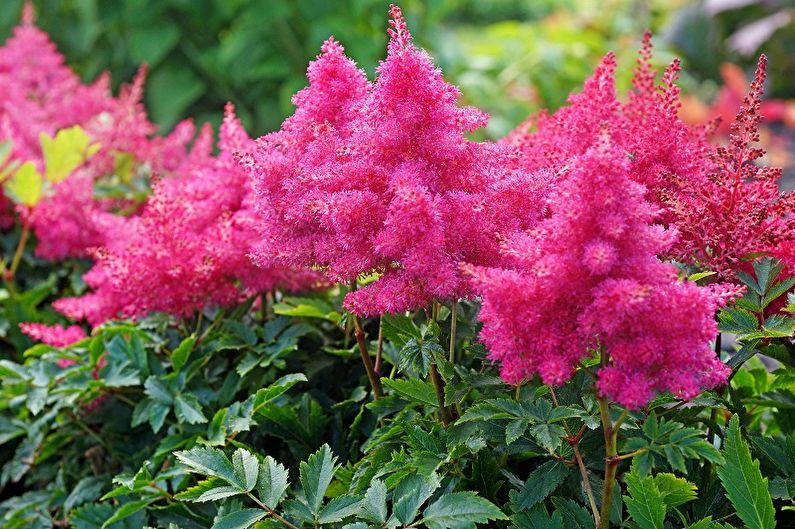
(187, 248)
(380, 177)
(735, 209)
(588, 277)
(54, 335)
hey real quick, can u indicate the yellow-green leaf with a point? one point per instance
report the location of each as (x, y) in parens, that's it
(25, 185)
(66, 152)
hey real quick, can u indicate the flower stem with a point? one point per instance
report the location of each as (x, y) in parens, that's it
(379, 351)
(611, 462)
(23, 238)
(375, 382)
(438, 384)
(574, 442)
(453, 322)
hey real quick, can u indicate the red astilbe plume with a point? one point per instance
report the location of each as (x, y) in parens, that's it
(588, 277)
(187, 249)
(736, 209)
(382, 178)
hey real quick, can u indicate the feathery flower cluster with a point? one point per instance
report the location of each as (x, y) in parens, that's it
(737, 208)
(380, 177)
(187, 248)
(41, 95)
(588, 277)
(723, 205)
(54, 335)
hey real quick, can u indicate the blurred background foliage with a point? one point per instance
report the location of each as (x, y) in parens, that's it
(510, 57)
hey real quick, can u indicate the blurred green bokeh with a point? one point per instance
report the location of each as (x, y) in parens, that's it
(510, 57)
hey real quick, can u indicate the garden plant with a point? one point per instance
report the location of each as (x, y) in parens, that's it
(371, 319)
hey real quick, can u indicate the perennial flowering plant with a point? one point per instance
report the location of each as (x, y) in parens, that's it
(369, 319)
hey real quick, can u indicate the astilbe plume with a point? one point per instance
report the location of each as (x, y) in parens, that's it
(737, 209)
(724, 206)
(54, 335)
(41, 95)
(588, 277)
(380, 177)
(188, 247)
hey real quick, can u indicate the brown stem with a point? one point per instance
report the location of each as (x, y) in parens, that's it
(453, 322)
(438, 384)
(379, 351)
(611, 463)
(23, 238)
(574, 442)
(271, 511)
(375, 382)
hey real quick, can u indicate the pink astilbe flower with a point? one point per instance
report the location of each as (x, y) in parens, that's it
(737, 209)
(588, 277)
(380, 177)
(724, 206)
(41, 95)
(54, 335)
(187, 249)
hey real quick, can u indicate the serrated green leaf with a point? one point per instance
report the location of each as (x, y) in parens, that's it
(675, 491)
(541, 483)
(338, 509)
(180, 355)
(272, 482)
(209, 462)
(188, 410)
(127, 510)
(548, 435)
(644, 502)
(277, 389)
(242, 519)
(316, 474)
(460, 510)
(745, 487)
(413, 389)
(373, 507)
(410, 494)
(574, 516)
(246, 467)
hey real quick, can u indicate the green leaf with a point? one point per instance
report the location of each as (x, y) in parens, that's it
(537, 518)
(278, 388)
(574, 516)
(182, 352)
(127, 510)
(242, 519)
(515, 429)
(675, 491)
(644, 502)
(699, 275)
(549, 435)
(68, 150)
(459, 510)
(374, 505)
(315, 476)
(410, 494)
(209, 462)
(188, 409)
(541, 483)
(158, 391)
(745, 487)
(25, 185)
(87, 489)
(246, 467)
(413, 389)
(338, 509)
(272, 482)
(208, 490)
